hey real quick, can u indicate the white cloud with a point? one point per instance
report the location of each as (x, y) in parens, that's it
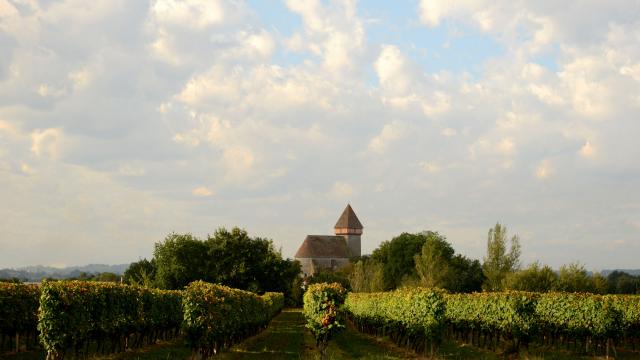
(631, 70)
(80, 79)
(546, 94)
(332, 31)
(341, 190)
(196, 14)
(46, 143)
(391, 68)
(449, 132)
(590, 96)
(124, 102)
(544, 170)
(390, 133)
(430, 167)
(587, 150)
(441, 104)
(202, 191)
(239, 162)
(505, 147)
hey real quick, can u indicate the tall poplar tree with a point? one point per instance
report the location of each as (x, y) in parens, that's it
(499, 262)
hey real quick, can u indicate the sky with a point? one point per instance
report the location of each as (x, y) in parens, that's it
(123, 121)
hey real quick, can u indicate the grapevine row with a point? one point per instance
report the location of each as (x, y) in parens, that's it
(76, 314)
(216, 316)
(77, 318)
(18, 314)
(415, 317)
(412, 317)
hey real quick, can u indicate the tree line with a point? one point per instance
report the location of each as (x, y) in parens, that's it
(227, 257)
(428, 259)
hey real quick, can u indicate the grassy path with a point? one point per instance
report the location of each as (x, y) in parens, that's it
(283, 339)
(287, 338)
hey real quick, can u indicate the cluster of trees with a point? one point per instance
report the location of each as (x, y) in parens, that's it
(231, 258)
(428, 259)
(423, 259)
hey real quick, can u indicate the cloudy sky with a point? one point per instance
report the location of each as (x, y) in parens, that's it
(121, 121)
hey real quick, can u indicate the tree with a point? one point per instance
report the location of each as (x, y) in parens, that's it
(433, 264)
(499, 263)
(574, 278)
(180, 259)
(397, 257)
(237, 260)
(366, 276)
(599, 283)
(620, 282)
(534, 278)
(330, 276)
(467, 275)
(141, 273)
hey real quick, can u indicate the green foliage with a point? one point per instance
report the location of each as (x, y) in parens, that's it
(329, 276)
(599, 284)
(397, 257)
(620, 282)
(578, 315)
(437, 266)
(509, 314)
(467, 275)
(516, 317)
(142, 272)
(574, 278)
(413, 316)
(217, 316)
(499, 262)
(534, 278)
(629, 308)
(74, 313)
(433, 263)
(242, 262)
(18, 309)
(180, 259)
(366, 276)
(321, 309)
(231, 258)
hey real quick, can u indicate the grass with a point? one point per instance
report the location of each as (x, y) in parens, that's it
(283, 339)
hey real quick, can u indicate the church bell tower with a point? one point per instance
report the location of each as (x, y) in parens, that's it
(350, 228)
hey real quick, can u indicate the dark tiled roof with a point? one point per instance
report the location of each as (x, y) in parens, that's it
(348, 219)
(323, 246)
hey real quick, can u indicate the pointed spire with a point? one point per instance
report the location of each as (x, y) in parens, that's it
(348, 220)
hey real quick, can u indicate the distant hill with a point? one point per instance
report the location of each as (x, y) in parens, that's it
(37, 272)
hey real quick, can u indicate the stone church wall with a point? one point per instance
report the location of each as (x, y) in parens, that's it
(311, 266)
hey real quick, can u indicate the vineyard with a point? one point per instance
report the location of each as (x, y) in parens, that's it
(422, 318)
(76, 318)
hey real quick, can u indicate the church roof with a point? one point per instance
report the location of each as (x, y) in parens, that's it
(348, 219)
(323, 246)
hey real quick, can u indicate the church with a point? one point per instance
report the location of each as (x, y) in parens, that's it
(332, 251)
